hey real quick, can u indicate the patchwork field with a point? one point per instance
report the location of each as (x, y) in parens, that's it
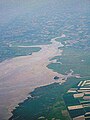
(77, 100)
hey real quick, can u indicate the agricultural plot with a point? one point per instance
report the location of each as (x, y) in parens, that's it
(77, 100)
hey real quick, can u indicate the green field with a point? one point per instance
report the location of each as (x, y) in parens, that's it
(76, 59)
(71, 100)
(46, 101)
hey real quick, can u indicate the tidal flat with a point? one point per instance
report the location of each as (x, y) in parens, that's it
(23, 74)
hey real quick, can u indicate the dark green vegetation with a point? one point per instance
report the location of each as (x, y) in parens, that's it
(71, 100)
(48, 102)
(45, 101)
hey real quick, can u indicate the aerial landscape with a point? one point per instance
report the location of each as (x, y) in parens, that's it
(44, 59)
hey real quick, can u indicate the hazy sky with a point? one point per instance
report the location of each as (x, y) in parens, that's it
(9, 9)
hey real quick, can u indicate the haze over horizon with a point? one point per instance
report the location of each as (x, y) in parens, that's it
(9, 9)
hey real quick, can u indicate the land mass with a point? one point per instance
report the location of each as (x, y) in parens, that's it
(21, 75)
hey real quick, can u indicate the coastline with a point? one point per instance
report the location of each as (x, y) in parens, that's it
(21, 75)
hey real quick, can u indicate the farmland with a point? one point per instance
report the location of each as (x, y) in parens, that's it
(77, 100)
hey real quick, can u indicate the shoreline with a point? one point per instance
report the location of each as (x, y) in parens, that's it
(21, 75)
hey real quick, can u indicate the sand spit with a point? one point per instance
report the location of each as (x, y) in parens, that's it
(21, 75)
